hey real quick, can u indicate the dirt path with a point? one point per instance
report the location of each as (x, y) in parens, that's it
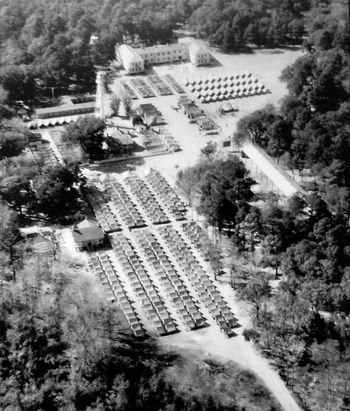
(210, 342)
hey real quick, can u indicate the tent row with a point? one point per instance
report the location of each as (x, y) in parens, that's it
(123, 204)
(218, 95)
(146, 198)
(106, 216)
(143, 287)
(143, 89)
(167, 194)
(219, 77)
(51, 122)
(224, 87)
(159, 85)
(199, 279)
(196, 234)
(177, 293)
(42, 151)
(104, 269)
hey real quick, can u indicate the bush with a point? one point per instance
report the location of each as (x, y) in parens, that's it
(250, 334)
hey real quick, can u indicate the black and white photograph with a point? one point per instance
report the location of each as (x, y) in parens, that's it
(175, 205)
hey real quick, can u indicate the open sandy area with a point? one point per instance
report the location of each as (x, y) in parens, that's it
(266, 65)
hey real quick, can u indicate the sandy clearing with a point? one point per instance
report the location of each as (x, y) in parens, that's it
(266, 65)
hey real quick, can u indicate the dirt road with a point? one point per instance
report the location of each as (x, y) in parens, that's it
(210, 342)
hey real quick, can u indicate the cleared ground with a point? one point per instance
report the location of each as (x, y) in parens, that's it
(266, 65)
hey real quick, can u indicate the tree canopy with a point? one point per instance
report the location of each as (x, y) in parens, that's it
(308, 238)
(45, 44)
(223, 186)
(64, 347)
(89, 132)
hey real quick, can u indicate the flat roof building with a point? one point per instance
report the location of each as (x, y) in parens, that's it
(163, 53)
(131, 60)
(135, 60)
(268, 166)
(199, 55)
(65, 110)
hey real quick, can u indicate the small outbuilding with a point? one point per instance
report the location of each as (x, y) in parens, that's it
(88, 235)
(119, 143)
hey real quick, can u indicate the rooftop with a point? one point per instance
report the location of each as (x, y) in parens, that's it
(65, 107)
(128, 52)
(87, 230)
(271, 169)
(123, 139)
(161, 47)
(194, 47)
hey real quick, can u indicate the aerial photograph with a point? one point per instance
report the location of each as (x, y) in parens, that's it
(175, 205)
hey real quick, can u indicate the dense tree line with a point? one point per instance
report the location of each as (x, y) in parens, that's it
(304, 325)
(30, 187)
(310, 130)
(219, 187)
(32, 190)
(45, 46)
(233, 25)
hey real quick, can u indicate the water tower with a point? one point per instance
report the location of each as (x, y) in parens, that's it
(100, 95)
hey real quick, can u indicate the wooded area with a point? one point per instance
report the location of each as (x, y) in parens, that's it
(63, 347)
(303, 324)
(45, 46)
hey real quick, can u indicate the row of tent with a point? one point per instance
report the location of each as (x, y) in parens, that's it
(219, 77)
(224, 87)
(229, 94)
(52, 122)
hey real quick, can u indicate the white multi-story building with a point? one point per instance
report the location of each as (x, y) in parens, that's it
(199, 56)
(131, 60)
(163, 53)
(135, 60)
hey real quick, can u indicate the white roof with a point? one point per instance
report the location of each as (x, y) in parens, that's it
(269, 167)
(161, 48)
(128, 54)
(195, 48)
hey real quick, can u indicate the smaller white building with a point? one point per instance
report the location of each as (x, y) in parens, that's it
(131, 60)
(199, 55)
(266, 165)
